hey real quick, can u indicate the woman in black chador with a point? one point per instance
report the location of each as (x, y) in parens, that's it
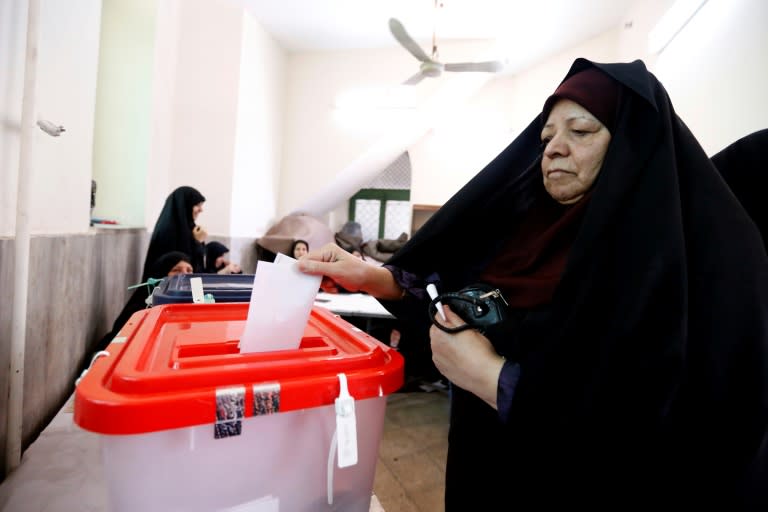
(176, 230)
(744, 166)
(217, 260)
(167, 265)
(631, 372)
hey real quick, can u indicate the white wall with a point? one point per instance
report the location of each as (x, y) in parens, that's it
(716, 71)
(13, 30)
(259, 133)
(65, 95)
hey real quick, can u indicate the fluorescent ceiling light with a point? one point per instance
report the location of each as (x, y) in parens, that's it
(671, 23)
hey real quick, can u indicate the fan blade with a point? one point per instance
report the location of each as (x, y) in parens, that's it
(407, 41)
(488, 66)
(418, 77)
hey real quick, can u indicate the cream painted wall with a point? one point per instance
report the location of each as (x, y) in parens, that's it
(323, 141)
(465, 137)
(198, 144)
(259, 133)
(456, 141)
(65, 95)
(209, 87)
(721, 54)
(218, 109)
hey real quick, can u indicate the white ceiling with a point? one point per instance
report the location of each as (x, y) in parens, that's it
(529, 29)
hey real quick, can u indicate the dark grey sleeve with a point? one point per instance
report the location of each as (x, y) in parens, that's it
(413, 284)
(510, 375)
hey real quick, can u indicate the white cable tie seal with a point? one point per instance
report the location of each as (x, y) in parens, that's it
(100, 353)
(196, 283)
(346, 426)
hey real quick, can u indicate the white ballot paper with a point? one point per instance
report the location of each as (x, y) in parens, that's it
(281, 302)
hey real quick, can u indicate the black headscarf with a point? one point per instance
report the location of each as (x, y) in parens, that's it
(648, 383)
(166, 262)
(743, 166)
(173, 229)
(212, 251)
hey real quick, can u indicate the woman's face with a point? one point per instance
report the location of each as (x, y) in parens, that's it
(222, 260)
(300, 250)
(197, 210)
(575, 143)
(182, 267)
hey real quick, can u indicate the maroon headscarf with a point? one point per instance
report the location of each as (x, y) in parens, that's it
(530, 264)
(593, 90)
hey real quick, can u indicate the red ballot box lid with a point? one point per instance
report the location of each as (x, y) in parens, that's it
(169, 364)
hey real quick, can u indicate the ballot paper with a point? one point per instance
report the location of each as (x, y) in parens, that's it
(281, 302)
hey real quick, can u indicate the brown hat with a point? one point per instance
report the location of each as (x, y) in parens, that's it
(593, 90)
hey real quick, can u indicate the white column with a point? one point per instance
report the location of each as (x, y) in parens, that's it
(21, 244)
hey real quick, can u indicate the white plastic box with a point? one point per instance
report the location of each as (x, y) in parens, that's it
(187, 423)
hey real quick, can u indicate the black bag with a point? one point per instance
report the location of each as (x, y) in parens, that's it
(479, 305)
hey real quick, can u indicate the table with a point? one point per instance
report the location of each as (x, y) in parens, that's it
(354, 305)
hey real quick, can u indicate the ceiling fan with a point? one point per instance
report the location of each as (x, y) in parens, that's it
(430, 65)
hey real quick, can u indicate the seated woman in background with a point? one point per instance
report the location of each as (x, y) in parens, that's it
(217, 260)
(167, 265)
(298, 249)
(176, 230)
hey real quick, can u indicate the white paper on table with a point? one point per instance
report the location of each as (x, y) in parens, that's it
(281, 302)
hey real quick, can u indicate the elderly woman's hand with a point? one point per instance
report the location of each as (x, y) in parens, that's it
(466, 358)
(337, 266)
(341, 268)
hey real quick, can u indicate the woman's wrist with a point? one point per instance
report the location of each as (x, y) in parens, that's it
(489, 381)
(380, 283)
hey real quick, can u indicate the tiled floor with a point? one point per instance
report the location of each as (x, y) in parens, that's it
(411, 469)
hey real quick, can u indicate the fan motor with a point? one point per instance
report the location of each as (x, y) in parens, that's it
(431, 68)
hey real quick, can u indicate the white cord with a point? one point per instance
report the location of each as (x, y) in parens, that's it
(331, 453)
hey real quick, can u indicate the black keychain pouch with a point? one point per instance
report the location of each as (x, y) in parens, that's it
(479, 305)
